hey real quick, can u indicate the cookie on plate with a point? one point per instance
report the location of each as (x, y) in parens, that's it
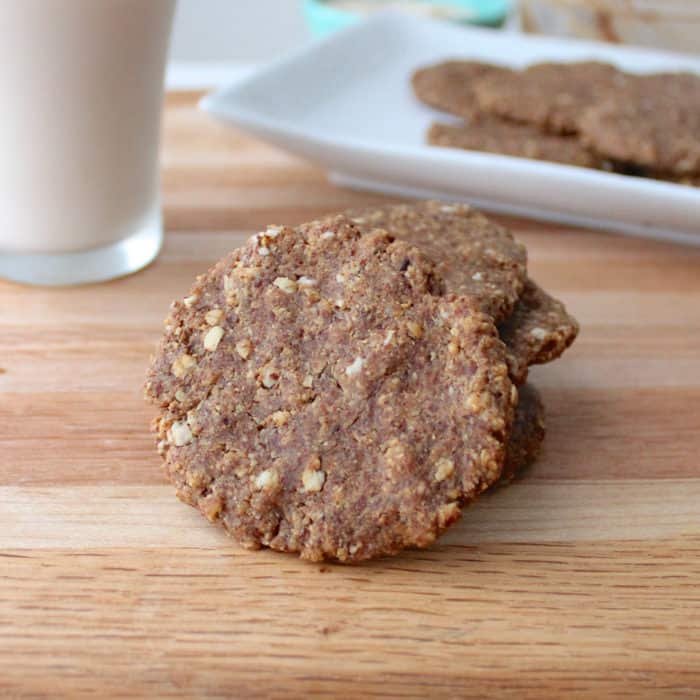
(653, 122)
(448, 86)
(550, 96)
(474, 255)
(494, 135)
(318, 394)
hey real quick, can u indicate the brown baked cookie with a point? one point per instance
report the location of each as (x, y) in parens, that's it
(318, 395)
(474, 256)
(690, 180)
(550, 96)
(652, 122)
(458, 239)
(448, 86)
(538, 331)
(495, 135)
(527, 433)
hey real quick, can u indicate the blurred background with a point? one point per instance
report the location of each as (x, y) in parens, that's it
(222, 30)
(252, 32)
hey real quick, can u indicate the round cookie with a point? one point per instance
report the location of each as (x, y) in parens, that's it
(494, 135)
(652, 122)
(527, 433)
(550, 96)
(318, 395)
(448, 86)
(538, 331)
(474, 256)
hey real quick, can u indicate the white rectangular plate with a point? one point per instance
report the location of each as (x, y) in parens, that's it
(346, 103)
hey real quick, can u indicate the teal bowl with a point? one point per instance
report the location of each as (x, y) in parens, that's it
(323, 18)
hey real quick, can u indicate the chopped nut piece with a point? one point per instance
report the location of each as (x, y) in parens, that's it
(308, 381)
(269, 377)
(477, 277)
(389, 337)
(444, 469)
(189, 301)
(328, 235)
(305, 281)
(448, 513)
(180, 433)
(288, 286)
(213, 316)
(182, 364)
(355, 367)
(244, 348)
(180, 395)
(415, 330)
(313, 479)
(267, 479)
(354, 548)
(213, 337)
(280, 418)
(273, 231)
(539, 333)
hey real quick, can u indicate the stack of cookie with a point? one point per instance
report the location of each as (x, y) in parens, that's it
(588, 114)
(343, 388)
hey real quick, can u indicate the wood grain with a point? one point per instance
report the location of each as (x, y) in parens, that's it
(581, 580)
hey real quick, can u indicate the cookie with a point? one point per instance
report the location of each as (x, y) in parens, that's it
(448, 86)
(539, 330)
(318, 394)
(527, 433)
(550, 96)
(495, 135)
(653, 122)
(476, 257)
(473, 255)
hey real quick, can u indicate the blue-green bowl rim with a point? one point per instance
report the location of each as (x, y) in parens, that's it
(321, 12)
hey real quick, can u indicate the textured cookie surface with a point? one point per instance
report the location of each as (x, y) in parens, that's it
(494, 135)
(551, 96)
(527, 434)
(474, 256)
(448, 86)
(318, 395)
(652, 122)
(539, 330)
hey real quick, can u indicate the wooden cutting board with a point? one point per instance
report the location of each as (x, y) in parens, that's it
(582, 579)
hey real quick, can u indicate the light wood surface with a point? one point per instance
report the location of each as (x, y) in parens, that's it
(581, 580)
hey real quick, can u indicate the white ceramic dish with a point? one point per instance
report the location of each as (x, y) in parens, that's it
(346, 103)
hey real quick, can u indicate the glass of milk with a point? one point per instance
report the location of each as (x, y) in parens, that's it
(82, 84)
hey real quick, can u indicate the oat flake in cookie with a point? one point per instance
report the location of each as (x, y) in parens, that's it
(475, 256)
(318, 395)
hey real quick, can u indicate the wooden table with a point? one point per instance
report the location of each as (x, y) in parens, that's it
(580, 580)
